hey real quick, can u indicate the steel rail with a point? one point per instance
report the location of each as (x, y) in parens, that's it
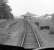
(38, 38)
(35, 36)
(24, 33)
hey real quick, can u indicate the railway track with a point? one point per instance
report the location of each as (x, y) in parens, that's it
(30, 37)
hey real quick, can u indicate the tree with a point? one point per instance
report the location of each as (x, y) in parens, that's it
(5, 11)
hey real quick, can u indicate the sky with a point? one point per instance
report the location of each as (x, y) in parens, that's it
(38, 7)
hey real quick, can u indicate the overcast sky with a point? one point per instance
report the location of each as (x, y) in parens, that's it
(38, 7)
